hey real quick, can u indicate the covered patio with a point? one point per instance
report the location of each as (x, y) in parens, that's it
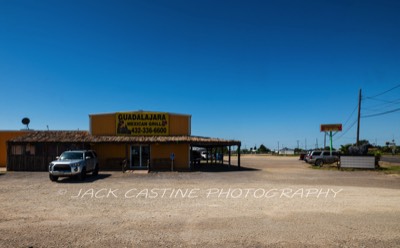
(35, 150)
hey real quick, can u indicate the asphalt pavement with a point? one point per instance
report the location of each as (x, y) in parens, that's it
(391, 159)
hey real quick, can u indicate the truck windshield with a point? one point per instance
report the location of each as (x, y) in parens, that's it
(71, 155)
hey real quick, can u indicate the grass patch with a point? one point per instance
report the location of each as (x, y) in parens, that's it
(386, 168)
(324, 167)
(390, 169)
(334, 167)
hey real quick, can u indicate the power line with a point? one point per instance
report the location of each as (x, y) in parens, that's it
(383, 105)
(345, 123)
(336, 132)
(386, 103)
(348, 129)
(383, 113)
(395, 87)
(348, 119)
(354, 110)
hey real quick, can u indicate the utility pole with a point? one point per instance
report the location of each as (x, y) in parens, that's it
(359, 117)
(278, 147)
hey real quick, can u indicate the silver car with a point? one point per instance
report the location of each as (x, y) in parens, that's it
(74, 163)
(320, 158)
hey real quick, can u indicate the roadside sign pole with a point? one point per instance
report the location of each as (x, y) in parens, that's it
(329, 128)
(330, 135)
(172, 157)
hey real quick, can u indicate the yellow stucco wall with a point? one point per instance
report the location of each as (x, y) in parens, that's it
(163, 151)
(179, 124)
(4, 137)
(102, 124)
(110, 155)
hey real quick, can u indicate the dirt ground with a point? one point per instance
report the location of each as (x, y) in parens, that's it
(272, 202)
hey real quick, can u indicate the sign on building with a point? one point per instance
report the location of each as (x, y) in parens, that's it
(142, 123)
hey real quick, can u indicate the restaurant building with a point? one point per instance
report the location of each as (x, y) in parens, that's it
(140, 140)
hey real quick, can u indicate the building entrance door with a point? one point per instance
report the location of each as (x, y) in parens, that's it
(140, 157)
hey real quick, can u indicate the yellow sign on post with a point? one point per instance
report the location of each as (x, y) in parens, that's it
(142, 123)
(331, 127)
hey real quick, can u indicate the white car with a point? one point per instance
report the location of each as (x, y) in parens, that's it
(205, 155)
(74, 163)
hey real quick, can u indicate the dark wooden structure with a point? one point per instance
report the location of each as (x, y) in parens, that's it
(35, 150)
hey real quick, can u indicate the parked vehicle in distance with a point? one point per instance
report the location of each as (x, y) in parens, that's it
(74, 163)
(307, 156)
(320, 158)
(205, 155)
(195, 157)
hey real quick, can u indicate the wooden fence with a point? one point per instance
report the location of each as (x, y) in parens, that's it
(28, 162)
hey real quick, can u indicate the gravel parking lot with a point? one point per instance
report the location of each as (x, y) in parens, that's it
(273, 201)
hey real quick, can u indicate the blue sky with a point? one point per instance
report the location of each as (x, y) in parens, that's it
(262, 72)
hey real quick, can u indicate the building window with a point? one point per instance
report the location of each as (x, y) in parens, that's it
(17, 150)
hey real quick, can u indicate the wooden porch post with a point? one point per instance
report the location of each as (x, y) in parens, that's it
(239, 157)
(229, 153)
(190, 158)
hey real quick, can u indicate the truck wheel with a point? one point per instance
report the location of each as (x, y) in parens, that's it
(96, 170)
(319, 163)
(53, 178)
(82, 175)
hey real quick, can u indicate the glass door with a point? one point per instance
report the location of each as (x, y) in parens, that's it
(140, 157)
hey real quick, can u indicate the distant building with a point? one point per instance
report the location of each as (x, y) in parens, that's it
(286, 151)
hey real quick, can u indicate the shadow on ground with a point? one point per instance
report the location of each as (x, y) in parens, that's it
(221, 168)
(88, 179)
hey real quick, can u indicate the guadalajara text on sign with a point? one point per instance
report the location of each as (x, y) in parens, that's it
(142, 123)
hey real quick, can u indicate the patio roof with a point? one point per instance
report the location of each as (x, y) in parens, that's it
(85, 137)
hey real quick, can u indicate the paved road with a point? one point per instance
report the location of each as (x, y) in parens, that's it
(391, 159)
